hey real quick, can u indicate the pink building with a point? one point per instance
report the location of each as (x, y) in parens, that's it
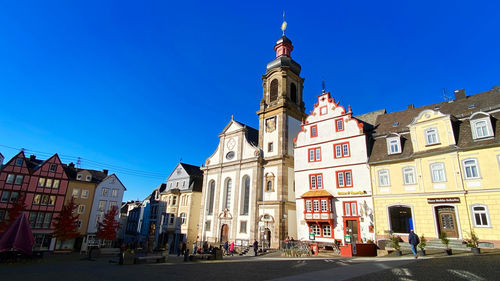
(43, 183)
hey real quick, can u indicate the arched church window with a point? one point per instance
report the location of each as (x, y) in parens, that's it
(245, 196)
(273, 93)
(211, 194)
(293, 92)
(227, 201)
(269, 186)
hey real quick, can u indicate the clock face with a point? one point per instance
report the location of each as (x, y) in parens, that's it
(230, 143)
(230, 155)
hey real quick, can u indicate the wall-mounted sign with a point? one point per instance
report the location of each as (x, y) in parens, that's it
(443, 200)
(351, 192)
(312, 236)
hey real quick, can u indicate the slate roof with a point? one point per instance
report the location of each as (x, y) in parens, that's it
(252, 133)
(191, 169)
(484, 101)
(97, 176)
(459, 108)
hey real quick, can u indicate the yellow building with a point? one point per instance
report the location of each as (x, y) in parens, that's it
(81, 187)
(436, 169)
(180, 202)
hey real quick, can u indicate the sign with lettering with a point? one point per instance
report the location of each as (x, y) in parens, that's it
(443, 200)
(351, 192)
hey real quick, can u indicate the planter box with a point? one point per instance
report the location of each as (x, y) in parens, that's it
(475, 251)
(128, 258)
(449, 252)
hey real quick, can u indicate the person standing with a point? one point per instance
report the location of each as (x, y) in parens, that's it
(231, 248)
(414, 241)
(226, 248)
(255, 247)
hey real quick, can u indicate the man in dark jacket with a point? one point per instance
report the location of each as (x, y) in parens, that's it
(255, 247)
(414, 241)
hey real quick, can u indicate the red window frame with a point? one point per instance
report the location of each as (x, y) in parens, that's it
(315, 176)
(342, 150)
(350, 208)
(315, 154)
(321, 108)
(337, 125)
(305, 206)
(343, 178)
(316, 131)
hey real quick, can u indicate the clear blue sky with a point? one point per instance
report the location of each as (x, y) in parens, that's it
(140, 84)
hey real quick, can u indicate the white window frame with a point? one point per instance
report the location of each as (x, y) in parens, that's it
(428, 134)
(324, 205)
(84, 194)
(440, 168)
(316, 206)
(75, 193)
(487, 127)
(316, 229)
(326, 226)
(393, 142)
(486, 212)
(308, 206)
(465, 166)
(387, 174)
(410, 171)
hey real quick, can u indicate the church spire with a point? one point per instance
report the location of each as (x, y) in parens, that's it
(283, 46)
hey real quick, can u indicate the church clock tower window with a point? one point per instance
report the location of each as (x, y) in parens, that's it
(273, 91)
(293, 92)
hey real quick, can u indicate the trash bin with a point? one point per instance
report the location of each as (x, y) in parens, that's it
(218, 253)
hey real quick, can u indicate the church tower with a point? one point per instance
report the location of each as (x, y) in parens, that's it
(280, 115)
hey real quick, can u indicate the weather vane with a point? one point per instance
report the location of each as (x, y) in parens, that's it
(283, 25)
(323, 84)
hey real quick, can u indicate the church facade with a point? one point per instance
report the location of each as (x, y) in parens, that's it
(248, 182)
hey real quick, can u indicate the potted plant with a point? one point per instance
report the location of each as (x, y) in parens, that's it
(421, 245)
(473, 242)
(395, 244)
(128, 256)
(444, 239)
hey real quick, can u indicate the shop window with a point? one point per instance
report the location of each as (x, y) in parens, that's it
(315, 229)
(327, 230)
(400, 219)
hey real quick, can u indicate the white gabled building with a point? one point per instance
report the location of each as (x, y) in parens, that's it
(332, 177)
(108, 194)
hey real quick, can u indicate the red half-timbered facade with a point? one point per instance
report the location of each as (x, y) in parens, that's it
(43, 185)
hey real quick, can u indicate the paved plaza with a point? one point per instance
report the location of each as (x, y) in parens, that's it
(76, 268)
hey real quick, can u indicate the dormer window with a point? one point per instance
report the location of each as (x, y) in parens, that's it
(431, 136)
(393, 145)
(481, 127)
(19, 161)
(88, 178)
(79, 177)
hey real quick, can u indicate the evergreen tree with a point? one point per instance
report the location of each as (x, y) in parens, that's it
(66, 224)
(106, 230)
(17, 208)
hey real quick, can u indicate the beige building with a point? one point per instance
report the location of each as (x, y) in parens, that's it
(178, 207)
(81, 187)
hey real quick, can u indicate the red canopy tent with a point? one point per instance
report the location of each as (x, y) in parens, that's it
(18, 237)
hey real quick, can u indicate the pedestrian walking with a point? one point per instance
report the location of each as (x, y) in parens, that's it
(414, 241)
(255, 247)
(226, 248)
(231, 248)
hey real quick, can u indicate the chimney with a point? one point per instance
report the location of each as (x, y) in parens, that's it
(460, 94)
(105, 171)
(411, 106)
(32, 157)
(71, 165)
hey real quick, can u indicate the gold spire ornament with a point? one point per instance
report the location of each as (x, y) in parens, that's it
(283, 25)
